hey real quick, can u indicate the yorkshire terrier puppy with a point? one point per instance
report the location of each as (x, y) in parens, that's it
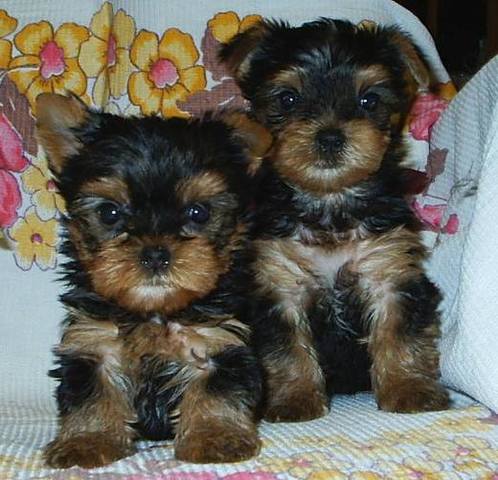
(342, 301)
(153, 345)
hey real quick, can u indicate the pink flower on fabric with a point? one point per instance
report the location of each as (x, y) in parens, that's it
(432, 215)
(12, 159)
(429, 214)
(424, 114)
(251, 476)
(177, 476)
(452, 225)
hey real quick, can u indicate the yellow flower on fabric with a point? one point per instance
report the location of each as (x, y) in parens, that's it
(328, 474)
(461, 424)
(106, 54)
(37, 181)
(168, 73)
(419, 469)
(345, 447)
(414, 436)
(366, 475)
(34, 241)
(129, 110)
(7, 25)
(49, 60)
(302, 465)
(475, 469)
(226, 25)
(446, 90)
(276, 464)
(462, 448)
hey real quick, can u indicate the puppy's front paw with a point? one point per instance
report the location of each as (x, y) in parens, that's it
(297, 409)
(89, 450)
(414, 396)
(218, 444)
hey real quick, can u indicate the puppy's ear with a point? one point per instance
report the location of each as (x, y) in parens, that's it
(57, 116)
(413, 59)
(256, 139)
(237, 53)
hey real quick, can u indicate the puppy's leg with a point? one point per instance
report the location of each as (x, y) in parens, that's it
(294, 380)
(217, 413)
(403, 323)
(93, 397)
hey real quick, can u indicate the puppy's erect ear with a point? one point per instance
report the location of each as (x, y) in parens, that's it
(237, 53)
(57, 116)
(412, 59)
(256, 138)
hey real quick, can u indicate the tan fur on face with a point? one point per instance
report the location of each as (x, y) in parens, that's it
(116, 272)
(111, 188)
(297, 160)
(201, 187)
(288, 79)
(370, 76)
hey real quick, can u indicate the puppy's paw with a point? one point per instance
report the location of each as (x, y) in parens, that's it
(414, 396)
(89, 450)
(218, 444)
(297, 409)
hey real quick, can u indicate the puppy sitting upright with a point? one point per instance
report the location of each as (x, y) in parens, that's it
(343, 303)
(153, 345)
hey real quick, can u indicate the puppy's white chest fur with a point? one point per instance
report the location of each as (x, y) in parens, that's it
(292, 273)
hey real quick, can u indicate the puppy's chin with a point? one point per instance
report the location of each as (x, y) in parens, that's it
(152, 293)
(164, 298)
(144, 296)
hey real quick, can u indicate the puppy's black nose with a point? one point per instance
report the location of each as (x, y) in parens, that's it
(330, 140)
(155, 259)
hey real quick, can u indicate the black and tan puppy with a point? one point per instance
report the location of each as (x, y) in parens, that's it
(342, 300)
(153, 346)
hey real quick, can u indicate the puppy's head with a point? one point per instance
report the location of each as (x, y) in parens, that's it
(155, 207)
(334, 94)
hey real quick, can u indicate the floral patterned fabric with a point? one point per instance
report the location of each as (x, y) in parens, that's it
(136, 57)
(355, 442)
(113, 65)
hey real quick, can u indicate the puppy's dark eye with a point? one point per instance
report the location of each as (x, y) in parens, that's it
(198, 213)
(369, 101)
(288, 100)
(109, 213)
